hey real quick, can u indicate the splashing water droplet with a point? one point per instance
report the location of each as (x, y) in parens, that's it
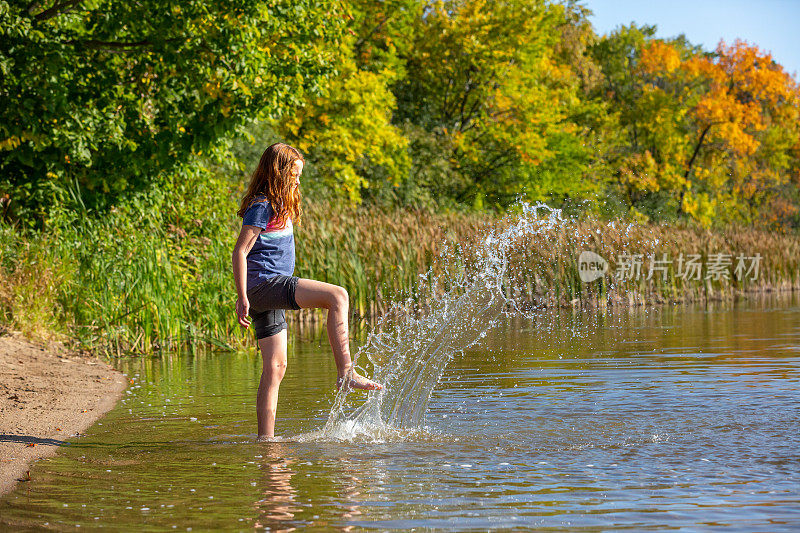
(448, 312)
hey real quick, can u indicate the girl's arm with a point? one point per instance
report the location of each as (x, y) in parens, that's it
(247, 238)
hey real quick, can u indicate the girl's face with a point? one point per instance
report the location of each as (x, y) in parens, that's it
(297, 169)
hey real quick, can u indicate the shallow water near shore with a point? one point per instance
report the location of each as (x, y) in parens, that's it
(681, 418)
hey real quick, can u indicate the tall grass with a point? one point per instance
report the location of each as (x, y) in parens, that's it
(376, 254)
(545, 269)
(143, 279)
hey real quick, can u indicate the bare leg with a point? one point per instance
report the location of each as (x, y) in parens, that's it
(317, 294)
(273, 353)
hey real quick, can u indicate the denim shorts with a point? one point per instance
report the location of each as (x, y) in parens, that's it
(268, 300)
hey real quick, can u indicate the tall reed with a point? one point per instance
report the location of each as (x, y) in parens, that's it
(127, 282)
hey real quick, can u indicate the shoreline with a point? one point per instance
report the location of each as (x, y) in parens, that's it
(47, 396)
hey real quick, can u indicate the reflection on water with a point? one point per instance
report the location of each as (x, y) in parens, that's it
(278, 504)
(637, 419)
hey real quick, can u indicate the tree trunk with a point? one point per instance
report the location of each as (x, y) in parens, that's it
(689, 168)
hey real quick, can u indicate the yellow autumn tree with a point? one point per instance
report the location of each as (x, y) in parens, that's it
(489, 102)
(347, 131)
(709, 135)
(744, 127)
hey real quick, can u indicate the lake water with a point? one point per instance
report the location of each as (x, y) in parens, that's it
(682, 418)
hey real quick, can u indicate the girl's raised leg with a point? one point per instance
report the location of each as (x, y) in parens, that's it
(273, 353)
(317, 294)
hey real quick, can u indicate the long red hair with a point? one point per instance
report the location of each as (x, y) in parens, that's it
(273, 179)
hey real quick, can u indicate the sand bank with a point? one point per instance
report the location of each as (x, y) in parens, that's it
(46, 397)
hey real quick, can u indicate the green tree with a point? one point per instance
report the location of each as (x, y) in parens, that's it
(347, 132)
(647, 119)
(488, 101)
(103, 95)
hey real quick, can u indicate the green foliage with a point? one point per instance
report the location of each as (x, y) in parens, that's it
(136, 277)
(110, 94)
(493, 87)
(347, 132)
(456, 105)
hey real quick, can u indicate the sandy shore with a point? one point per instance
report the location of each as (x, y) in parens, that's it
(46, 397)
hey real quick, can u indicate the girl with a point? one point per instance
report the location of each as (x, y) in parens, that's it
(263, 267)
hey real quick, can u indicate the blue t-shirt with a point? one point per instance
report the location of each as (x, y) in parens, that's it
(273, 251)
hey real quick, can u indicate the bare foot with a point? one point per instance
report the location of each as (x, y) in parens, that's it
(359, 382)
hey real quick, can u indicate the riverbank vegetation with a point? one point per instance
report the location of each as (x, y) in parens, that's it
(127, 133)
(139, 282)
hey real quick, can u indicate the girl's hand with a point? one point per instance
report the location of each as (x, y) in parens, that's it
(242, 310)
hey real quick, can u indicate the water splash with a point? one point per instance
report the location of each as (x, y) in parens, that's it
(411, 344)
